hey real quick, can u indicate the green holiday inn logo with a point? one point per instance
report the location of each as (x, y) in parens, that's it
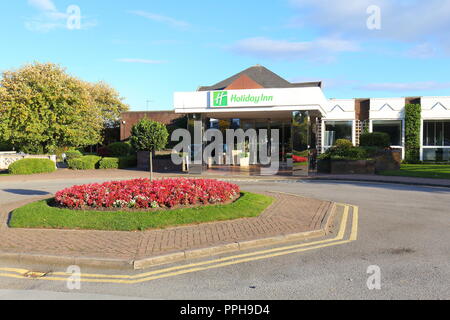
(221, 98)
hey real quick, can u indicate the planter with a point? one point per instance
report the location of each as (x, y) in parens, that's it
(388, 160)
(352, 166)
(289, 162)
(160, 164)
(324, 166)
(244, 162)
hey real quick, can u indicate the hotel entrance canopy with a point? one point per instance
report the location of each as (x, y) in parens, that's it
(253, 103)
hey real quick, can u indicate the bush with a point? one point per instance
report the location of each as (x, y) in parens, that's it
(84, 163)
(32, 166)
(376, 139)
(118, 163)
(145, 194)
(109, 163)
(127, 162)
(343, 144)
(413, 116)
(119, 149)
(344, 150)
(73, 154)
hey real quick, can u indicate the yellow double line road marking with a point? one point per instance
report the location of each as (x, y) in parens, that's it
(211, 264)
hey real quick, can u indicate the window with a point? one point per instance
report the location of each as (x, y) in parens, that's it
(436, 133)
(392, 128)
(436, 154)
(335, 130)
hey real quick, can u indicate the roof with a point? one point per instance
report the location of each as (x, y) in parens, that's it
(263, 76)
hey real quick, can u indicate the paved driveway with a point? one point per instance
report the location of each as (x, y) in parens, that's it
(404, 230)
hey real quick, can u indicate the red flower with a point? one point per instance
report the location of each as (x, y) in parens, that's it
(144, 194)
(298, 159)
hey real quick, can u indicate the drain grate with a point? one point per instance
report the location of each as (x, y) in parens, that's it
(35, 274)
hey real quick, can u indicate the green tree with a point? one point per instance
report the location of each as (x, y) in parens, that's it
(148, 135)
(109, 101)
(43, 108)
(413, 122)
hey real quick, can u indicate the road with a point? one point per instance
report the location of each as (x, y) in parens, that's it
(402, 229)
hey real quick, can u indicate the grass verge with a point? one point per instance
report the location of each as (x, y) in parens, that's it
(41, 215)
(433, 171)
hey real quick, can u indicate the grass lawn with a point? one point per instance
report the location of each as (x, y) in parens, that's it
(41, 215)
(434, 171)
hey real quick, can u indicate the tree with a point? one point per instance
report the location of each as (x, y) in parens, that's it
(109, 101)
(148, 135)
(43, 108)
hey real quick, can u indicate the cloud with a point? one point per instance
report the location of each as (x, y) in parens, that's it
(319, 49)
(162, 19)
(406, 86)
(50, 18)
(408, 21)
(423, 51)
(43, 5)
(143, 61)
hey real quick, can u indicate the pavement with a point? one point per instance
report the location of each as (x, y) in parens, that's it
(402, 229)
(289, 217)
(121, 174)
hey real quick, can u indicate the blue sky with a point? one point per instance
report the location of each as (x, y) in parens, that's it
(149, 49)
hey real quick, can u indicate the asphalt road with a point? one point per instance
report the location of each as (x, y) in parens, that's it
(402, 229)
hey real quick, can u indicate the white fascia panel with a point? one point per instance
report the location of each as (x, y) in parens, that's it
(341, 109)
(436, 107)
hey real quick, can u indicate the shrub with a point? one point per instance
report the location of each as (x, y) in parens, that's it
(375, 139)
(119, 149)
(84, 163)
(127, 162)
(146, 194)
(344, 150)
(343, 144)
(109, 163)
(73, 154)
(32, 166)
(413, 116)
(118, 163)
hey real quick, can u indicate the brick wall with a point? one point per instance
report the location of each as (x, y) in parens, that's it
(129, 119)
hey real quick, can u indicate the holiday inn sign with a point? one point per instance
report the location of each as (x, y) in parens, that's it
(282, 99)
(222, 99)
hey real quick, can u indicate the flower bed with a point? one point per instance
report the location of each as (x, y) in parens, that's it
(298, 159)
(145, 194)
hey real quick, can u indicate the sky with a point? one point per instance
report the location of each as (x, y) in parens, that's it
(149, 49)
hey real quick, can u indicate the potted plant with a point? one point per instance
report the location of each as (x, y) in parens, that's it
(244, 159)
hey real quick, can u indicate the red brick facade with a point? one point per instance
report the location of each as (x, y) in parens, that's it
(129, 119)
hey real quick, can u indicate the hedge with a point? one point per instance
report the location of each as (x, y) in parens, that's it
(119, 149)
(377, 139)
(118, 163)
(109, 163)
(73, 154)
(413, 122)
(84, 163)
(32, 166)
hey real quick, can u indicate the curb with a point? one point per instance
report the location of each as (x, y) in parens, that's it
(326, 227)
(407, 183)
